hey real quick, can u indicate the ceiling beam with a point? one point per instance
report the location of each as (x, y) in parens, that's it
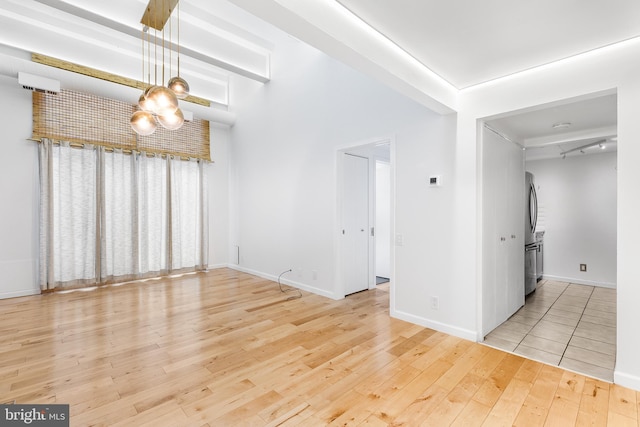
(135, 32)
(542, 141)
(102, 75)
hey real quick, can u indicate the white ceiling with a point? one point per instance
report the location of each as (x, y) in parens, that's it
(464, 42)
(468, 42)
(552, 130)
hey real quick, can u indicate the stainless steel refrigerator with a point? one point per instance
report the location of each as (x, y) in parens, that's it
(530, 242)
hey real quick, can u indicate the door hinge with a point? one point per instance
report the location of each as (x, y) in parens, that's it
(372, 232)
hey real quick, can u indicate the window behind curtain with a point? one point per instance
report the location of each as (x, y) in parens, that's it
(73, 226)
(111, 216)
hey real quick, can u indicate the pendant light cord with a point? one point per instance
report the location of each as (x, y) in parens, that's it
(170, 40)
(178, 38)
(163, 48)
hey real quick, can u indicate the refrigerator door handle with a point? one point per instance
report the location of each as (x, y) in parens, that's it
(533, 207)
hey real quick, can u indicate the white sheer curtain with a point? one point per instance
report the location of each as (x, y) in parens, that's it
(68, 220)
(154, 225)
(118, 192)
(111, 216)
(188, 214)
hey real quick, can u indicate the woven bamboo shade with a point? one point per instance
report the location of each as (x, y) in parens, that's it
(85, 118)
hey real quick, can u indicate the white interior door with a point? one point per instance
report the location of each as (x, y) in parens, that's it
(515, 236)
(355, 224)
(503, 218)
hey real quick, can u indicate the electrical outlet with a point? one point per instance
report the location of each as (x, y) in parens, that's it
(435, 303)
(398, 239)
(314, 275)
(583, 267)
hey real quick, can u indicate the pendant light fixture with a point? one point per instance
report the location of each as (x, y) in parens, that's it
(177, 84)
(142, 121)
(157, 101)
(172, 121)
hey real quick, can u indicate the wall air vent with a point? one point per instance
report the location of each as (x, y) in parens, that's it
(38, 83)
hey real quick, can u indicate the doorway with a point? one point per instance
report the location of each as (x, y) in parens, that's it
(382, 221)
(569, 320)
(364, 216)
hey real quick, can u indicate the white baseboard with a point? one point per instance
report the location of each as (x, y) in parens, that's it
(626, 380)
(466, 334)
(19, 278)
(578, 281)
(286, 281)
(217, 266)
(16, 294)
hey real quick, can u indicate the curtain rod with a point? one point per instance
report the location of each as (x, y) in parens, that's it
(110, 148)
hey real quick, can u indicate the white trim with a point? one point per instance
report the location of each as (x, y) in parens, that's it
(218, 266)
(16, 294)
(626, 380)
(285, 281)
(580, 281)
(466, 334)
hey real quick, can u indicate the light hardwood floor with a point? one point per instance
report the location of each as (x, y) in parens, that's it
(228, 349)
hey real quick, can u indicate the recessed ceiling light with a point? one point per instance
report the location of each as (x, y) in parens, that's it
(562, 125)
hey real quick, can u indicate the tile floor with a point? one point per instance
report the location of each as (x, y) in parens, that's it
(563, 324)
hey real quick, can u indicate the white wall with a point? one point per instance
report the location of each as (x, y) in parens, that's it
(19, 194)
(218, 190)
(602, 71)
(577, 196)
(284, 188)
(426, 262)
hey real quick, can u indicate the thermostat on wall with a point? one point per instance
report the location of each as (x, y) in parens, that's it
(435, 181)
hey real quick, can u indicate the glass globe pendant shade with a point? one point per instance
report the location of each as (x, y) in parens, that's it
(147, 90)
(172, 121)
(145, 104)
(148, 104)
(165, 100)
(143, 123)
(179, 86)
